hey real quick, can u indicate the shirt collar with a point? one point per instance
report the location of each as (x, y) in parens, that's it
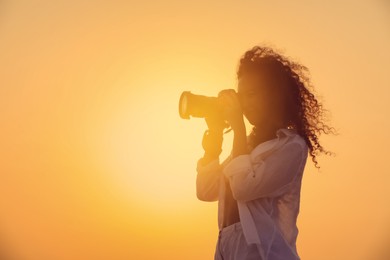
(270, 144)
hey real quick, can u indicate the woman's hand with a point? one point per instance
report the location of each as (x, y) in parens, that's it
(230, 104)
(213, 137)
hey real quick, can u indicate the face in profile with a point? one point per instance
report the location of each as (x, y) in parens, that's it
(261, 99)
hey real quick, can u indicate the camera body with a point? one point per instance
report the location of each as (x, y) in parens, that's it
(198, 106)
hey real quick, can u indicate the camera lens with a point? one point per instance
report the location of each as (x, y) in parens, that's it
(197, 106)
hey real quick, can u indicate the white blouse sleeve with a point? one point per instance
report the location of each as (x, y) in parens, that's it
(267, 175)
(207, 180)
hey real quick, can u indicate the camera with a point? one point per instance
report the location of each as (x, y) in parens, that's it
(198, 106)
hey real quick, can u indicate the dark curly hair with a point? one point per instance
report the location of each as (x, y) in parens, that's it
(303, 111)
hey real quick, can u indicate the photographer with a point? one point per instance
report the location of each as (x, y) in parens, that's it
(258, 185)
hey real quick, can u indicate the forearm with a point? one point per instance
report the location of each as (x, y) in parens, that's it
(239, 141)
(207, 180)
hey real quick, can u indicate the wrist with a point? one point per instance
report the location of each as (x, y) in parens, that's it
(215, 132)
(210, 156)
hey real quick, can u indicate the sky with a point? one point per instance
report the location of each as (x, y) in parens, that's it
(95, 162)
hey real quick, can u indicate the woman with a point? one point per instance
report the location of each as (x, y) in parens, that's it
(258, 185)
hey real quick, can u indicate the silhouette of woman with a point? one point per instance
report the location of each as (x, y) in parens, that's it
(258, 185)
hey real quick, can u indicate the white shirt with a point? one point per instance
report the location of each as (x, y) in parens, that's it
(266, 184)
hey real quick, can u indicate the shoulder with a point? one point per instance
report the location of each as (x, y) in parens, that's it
(286, 141)
(291, 136)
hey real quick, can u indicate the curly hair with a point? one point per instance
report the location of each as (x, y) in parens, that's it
(304, 112)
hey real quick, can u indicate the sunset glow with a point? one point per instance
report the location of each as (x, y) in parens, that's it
(95, 162)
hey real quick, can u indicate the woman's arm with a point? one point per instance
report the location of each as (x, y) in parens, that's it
(207, 180)
(208, 167)
(239, 140)
(266, 176)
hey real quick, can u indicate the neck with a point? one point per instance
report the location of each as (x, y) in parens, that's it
(265, 132)
(262, 134)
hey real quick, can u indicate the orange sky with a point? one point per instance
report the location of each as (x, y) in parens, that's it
(95, 162)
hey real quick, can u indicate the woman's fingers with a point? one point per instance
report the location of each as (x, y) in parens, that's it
(226, 91)
(228, 97)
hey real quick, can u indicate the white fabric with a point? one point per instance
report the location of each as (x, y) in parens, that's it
(266, 184)
(232, 245)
